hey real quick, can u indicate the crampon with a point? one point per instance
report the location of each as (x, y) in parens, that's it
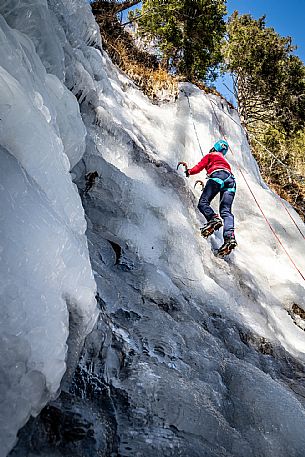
(209, 228)
(227, 247)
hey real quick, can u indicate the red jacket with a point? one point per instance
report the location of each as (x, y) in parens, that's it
(211, 162)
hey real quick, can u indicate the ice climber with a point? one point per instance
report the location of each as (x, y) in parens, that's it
(220, 180)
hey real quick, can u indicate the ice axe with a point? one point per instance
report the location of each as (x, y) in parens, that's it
(184, 164)
(199, 182)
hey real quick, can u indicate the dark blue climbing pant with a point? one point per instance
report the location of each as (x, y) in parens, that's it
(224, 183)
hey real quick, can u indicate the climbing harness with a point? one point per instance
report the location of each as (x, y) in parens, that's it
(222, 183)
(255, 199)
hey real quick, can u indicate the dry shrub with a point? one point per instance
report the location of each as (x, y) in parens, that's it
(287, 181)
(142, 68)
(155, 82)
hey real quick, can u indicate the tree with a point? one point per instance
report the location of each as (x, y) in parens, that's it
(289, 104)
(113, 6)
(187, 33)
(269, 81)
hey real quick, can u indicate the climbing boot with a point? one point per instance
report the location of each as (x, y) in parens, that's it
(228, 245)
(208, 229)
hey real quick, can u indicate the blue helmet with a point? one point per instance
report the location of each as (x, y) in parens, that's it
(221, 146)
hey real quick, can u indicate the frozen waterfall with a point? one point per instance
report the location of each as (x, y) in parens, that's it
(189, 355)
(45, 270)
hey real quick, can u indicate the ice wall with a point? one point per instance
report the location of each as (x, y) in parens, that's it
(185, 309)
(185, 380)
(46, 279)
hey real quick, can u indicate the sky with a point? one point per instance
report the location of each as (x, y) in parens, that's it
(287, 18)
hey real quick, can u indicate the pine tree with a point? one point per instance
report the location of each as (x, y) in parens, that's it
(188, 34)
(269, 81)
(269, 85)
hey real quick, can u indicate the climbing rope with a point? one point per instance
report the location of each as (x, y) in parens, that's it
(278, 160)
(254, 197)
(192, 117)
(297, 176)
(279, 198)
(291, 217)
(288, 169)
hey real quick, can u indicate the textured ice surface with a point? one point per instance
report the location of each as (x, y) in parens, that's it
(188, 355)
(187, 380)
(46, 283)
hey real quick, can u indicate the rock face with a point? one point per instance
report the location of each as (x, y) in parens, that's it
(191, 355)
(164, 377)
(164, 374)
(47, 289)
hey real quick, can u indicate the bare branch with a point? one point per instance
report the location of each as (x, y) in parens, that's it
(100, 6)
(128, 4)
